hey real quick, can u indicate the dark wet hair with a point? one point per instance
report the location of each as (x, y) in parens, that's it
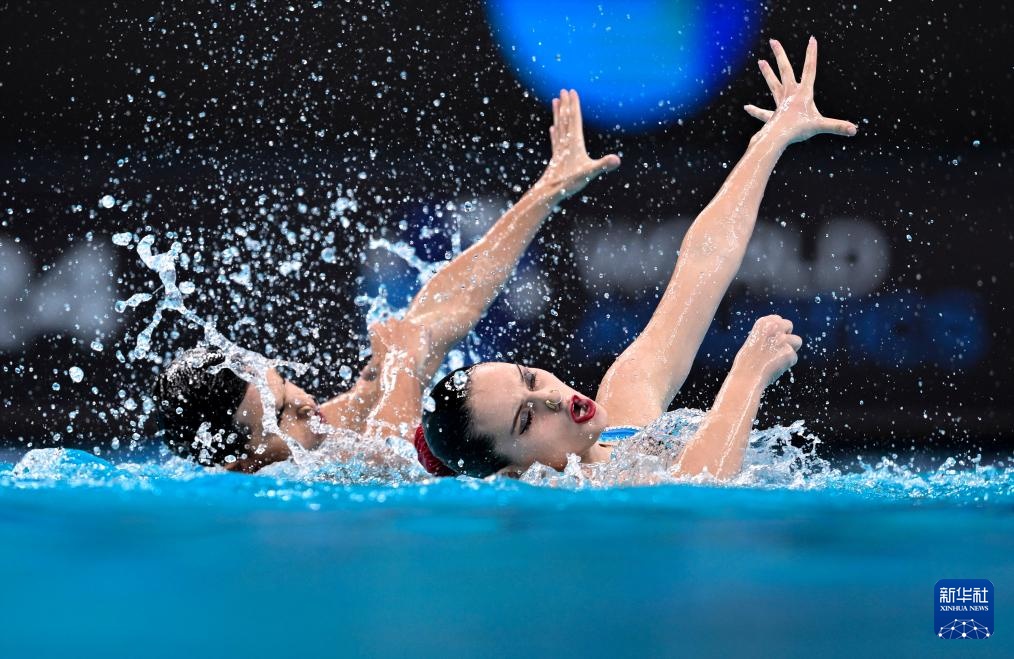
(191, 392)
(450, 433)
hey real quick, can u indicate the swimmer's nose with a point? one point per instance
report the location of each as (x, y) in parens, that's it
(554, 401)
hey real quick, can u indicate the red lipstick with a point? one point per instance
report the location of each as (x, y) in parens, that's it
(582, 410)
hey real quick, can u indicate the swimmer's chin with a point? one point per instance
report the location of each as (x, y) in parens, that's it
(597, 425)
(600, 421)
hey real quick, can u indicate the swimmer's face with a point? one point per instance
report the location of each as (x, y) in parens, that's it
(532, 415)
(296, 412)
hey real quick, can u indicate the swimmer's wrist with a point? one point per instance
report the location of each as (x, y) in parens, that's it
(549, 190)
(747, 375)
(770, 130)
(407, 362)
(773, 133)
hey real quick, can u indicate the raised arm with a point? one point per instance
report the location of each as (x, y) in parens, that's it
(646, 377)
(453, 301)
(721, 440)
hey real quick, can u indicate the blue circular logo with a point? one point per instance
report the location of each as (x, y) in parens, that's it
(635, 65)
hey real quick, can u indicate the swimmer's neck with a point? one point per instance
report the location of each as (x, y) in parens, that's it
(598, 452)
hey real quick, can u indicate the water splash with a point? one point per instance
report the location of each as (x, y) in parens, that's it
(781, 457)
(361, 481)
(378, 308)
(650, 456)
(425, 270)
(247, 364)
(774, 461)
(344, 457)
(57, 467)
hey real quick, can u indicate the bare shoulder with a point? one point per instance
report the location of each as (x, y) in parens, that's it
(351, 409)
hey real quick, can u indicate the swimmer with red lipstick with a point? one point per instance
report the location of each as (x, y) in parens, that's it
(503, 418)
(213, 415)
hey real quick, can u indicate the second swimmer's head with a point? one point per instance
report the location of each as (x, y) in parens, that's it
(207, 413)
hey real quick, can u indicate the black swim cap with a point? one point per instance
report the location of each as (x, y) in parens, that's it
(450, 432)
(189, 393)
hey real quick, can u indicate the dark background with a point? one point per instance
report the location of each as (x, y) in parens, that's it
(235, 125)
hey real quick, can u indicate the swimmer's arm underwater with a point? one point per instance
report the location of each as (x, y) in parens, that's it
(642, 382)
(453, 301)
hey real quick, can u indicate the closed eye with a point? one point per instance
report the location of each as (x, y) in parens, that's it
(526, 412)
(526, 418)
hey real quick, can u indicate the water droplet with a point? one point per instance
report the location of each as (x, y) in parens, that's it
(107, 201)
(344, 372)
(76, 374)
(328, 255)
(97, 345)
(56, 386)
(121, 239)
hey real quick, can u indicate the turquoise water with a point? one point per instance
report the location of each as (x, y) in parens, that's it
(160, 560)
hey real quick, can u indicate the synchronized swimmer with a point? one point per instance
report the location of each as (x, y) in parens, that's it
(502, 418)
(208, 413)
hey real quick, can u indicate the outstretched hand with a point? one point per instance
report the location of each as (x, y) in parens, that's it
(571, 168)
(795, 115)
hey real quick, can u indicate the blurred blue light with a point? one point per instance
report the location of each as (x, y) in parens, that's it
(635, 64)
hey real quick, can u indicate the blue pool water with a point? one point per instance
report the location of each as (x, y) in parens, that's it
(144, 560)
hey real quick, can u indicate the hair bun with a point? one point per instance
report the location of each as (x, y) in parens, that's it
(430, 462)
